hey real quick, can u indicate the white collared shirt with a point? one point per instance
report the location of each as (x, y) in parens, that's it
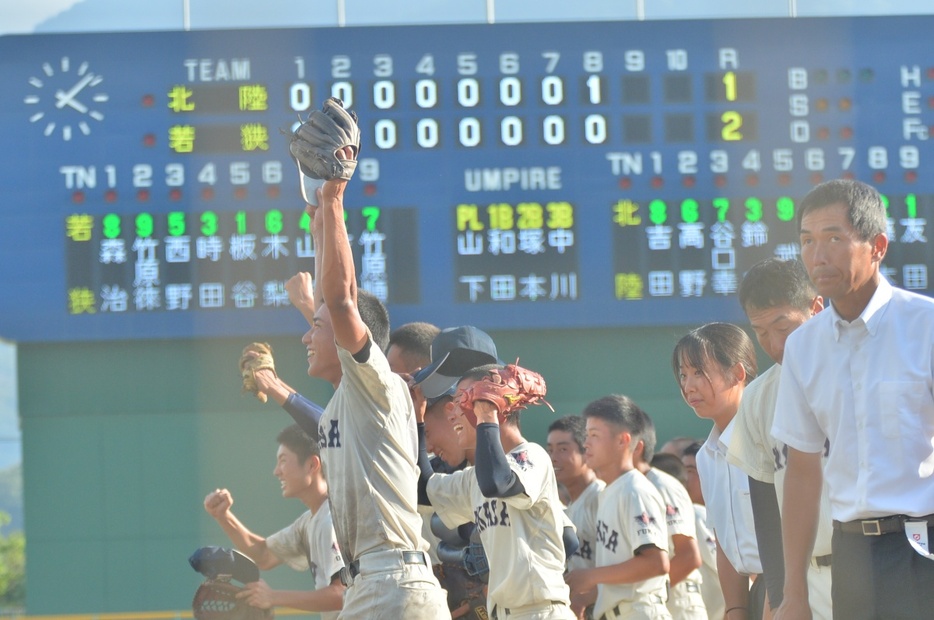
(729, 509)
(868, 386)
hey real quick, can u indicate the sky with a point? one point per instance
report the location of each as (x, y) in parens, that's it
(32, 16)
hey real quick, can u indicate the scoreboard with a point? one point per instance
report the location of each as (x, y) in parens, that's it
(511, 176)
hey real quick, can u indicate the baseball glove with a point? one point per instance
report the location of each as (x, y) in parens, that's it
(255, 356)
(510, 389)
(217, 600)
(315, 144)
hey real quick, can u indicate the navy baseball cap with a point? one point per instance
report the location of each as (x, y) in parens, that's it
(454, 351)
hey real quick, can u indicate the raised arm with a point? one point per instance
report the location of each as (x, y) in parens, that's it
(338, 280)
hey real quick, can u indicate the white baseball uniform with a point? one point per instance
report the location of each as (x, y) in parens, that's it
(521, 534)
(685, 601)
(630, 515)
(753, 449)
(310, 544)
(369, 446)
(583, 514)
(710, 587)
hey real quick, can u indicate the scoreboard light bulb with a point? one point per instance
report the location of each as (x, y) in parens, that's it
(816, 178)
(688, 181)
(719, 180)
(625, 183)
(110, 195)
(369, 189)
(77, 197)
(148, 101)
(878, 176)
(784, 179)
(823, 133)
(931, 102)
(272, 191)
(846, 132)
(149, 139)
(845, 104)
(240, 193)
(142, 195)
(821, 105)
(752, 179)
(175, 194)
(207, 193)
(657, 182)
(911, 176)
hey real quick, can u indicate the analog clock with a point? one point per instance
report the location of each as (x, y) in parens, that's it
(67, 99)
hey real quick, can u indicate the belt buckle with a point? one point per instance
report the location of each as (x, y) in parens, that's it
(872, 528)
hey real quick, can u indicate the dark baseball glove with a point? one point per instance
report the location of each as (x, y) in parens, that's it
(255, 356)
(510, 389)
(315, 145)
(216, 599)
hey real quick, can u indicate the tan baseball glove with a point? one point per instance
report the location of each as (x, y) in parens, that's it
(255, 356)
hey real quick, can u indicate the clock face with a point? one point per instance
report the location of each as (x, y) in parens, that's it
(67, 99)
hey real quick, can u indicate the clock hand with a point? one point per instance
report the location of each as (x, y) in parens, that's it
(77, 105)
(62, 99)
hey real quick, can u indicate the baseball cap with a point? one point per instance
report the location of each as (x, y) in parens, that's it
(454, 351)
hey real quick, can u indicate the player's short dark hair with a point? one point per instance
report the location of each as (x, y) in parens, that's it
(620, 411)
(723, 343)
(773, 282)
(374, 316)
(573, 424)
(672, 465)
(299, 442)
(692, 449)
(415, 338)
(865, 208)
(649, 440)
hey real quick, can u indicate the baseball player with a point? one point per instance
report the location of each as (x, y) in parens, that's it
(777, 297)
(631, 572)
(566, 437)
(409, 346)
(307, 544)
(367, 432)
(685, 601)
(510, 493)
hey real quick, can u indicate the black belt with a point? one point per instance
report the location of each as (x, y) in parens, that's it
(880, 526)
(823, 560)
(502, 611)
(349, 572)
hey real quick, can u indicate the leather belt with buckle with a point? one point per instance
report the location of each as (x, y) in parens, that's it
(880, 526)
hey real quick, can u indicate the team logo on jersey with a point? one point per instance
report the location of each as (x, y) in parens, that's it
(672, 511)
(522, 459)
(330, 439)
(607, 536)
(645, 519)
(490, 514)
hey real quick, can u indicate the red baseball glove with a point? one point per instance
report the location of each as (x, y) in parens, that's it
(510, 389)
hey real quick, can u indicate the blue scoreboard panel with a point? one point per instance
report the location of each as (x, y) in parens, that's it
(511, 176)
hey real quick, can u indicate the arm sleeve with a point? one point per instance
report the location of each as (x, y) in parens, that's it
(305, 413)
(768, 524)
(494, 475)
(425, 470)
